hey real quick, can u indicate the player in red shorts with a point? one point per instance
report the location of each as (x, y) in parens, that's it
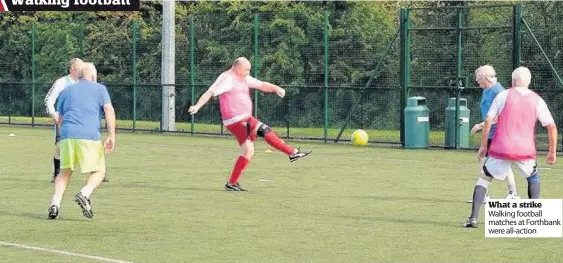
(233, 89)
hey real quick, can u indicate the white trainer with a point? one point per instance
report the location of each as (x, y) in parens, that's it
(512, 195)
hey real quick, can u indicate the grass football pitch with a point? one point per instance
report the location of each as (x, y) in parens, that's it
(165, 203)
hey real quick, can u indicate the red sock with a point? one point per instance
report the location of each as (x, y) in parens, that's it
(273, 140)
(240, 165)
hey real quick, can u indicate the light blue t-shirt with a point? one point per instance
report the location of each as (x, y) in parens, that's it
(486, 102)
(81, 107)
(68, 81)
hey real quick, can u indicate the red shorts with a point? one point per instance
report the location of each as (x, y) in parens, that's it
(244, 130)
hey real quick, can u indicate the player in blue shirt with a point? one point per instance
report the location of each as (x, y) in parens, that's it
(50, 101)
(486, 77)
(50, 105)
(80, 107)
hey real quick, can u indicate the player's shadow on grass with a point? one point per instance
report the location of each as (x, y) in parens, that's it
(407, 198)
(22, 180)
(168, 188)
(401, 220)
(39, 216)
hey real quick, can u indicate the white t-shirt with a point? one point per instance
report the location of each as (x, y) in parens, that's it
(53, 93)
(544, 115)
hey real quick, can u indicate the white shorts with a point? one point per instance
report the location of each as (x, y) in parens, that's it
(498, 168)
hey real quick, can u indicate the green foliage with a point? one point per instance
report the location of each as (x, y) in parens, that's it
(290, 53)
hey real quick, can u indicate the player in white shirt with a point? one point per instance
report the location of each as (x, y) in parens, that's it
(50, 105)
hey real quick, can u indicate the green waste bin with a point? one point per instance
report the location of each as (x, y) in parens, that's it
(417, 123)
(462, 122)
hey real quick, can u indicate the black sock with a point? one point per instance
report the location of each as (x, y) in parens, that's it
(57, 166)
(534, 186)
(478, 196)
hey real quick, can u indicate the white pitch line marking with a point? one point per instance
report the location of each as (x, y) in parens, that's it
(62, 252)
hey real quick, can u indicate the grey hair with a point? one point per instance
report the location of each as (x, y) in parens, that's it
(486, 72)
(522, 75)
(74, 61)
(87, 71)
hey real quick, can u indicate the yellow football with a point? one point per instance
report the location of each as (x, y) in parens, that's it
(360, 137)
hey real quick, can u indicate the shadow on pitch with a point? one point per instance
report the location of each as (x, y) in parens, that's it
(402, 220)
(416, 199)
(409, 199)
(46, 180)
(168, 188)
(35, 216)
(394, 220)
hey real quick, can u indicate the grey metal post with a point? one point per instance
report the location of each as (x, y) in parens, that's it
(168, 62)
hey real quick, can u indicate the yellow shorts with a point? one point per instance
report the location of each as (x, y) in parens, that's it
(87, 154)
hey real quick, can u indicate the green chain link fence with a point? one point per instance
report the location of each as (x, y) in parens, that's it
(464, 38)
(344, 68)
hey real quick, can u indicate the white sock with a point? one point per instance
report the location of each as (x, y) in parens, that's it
(56, 201)
(511, 182)
(86, 191)
(484, 183)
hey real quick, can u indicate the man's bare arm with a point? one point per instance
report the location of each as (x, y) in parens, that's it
(486, 130)
(552, 137)
(201, 102)
(494, 121)
(269, 87)
(110, 119)
(205, 97)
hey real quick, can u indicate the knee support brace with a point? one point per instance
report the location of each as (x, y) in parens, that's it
(535, 177)
(263, 129)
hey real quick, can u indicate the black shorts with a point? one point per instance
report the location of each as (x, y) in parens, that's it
(57, 134)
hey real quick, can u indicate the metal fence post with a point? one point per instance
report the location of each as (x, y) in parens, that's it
(33, 33)
(326, 76)
(256, 65)
(192, 71)
(134, 74)
(405, 67)
(82, 42)
(458, 84)
(517, 36)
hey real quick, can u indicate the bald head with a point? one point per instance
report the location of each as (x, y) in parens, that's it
(521, 77)
(242, 67)
(87, 72)
(241, 61)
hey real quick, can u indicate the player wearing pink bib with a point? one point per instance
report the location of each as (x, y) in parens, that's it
(233, 89)
(517, 109)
